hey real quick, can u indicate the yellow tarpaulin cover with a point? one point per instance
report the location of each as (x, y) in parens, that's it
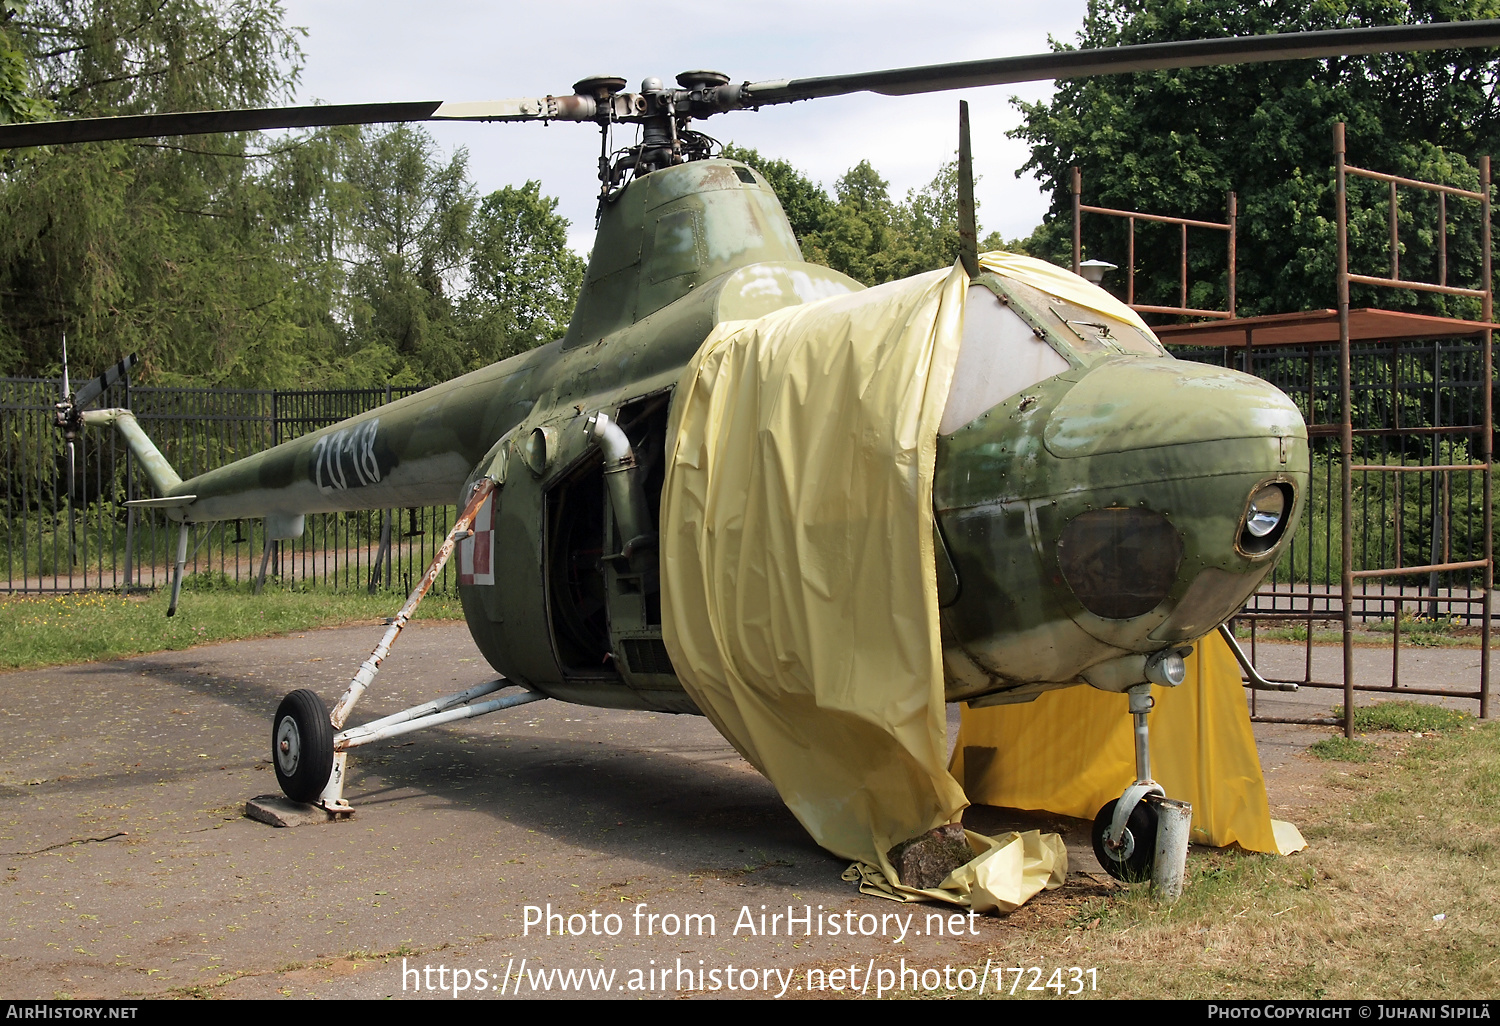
(1063, 284)
(1072, 750)
(798, 587)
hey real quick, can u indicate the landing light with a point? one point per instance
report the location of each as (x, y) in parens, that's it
(1266, 509)
(1168, 668)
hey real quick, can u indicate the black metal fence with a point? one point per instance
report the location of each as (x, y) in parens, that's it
(56, 539)
(1414, 403)
(1418, 403)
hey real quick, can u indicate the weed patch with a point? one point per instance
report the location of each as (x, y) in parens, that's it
(1343, 749)
(1404, 717)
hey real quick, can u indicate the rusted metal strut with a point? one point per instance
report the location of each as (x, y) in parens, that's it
(332, 798)
(371, 666)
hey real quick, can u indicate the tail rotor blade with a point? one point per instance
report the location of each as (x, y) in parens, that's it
(91, 391)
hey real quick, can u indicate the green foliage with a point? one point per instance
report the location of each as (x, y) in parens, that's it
(148, 246)
(17, 101)
(524, 280)
(405, 233)
(347, 256)
(1176, 141)
(860, 230)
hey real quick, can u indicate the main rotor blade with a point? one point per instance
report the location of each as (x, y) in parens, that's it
(88, 393)
(207, 122)
(1121, 60)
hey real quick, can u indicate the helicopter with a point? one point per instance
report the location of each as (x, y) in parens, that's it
(1098, 505)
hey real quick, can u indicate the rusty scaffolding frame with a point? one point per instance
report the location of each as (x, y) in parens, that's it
(1486, 295)
(1309, 335)
(1184, 223)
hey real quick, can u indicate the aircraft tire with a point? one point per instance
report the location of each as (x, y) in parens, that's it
(302, 745)
(1139, 851)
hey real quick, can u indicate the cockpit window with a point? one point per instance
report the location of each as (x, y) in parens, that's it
(1000, 355)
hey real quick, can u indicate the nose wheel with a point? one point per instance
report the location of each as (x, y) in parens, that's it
(1143, 835)
(1134, 856)
(302, 745)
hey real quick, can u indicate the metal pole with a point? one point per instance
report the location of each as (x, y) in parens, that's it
(1395, 241)
(387, 521)
(1436, 548)
(182, 540)
(1443, 239)
(265, 558)
(1233, 222)
(1183, 292)
(1346, 433)
(129, 494)
(1077, 183)
(129, 543)
(1487, 438)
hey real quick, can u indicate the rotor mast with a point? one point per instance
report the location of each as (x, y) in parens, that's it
(664, 114)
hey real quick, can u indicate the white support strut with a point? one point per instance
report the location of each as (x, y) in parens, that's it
(379, 730)
(437, 704)
(371, 666)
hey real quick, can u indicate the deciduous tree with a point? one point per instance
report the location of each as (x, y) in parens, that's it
(1177, 141)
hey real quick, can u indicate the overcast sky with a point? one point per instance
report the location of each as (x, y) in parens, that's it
(369, 50)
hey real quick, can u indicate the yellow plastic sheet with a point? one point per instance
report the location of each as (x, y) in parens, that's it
(800, 599)
(1005, 872)
(1055, 281)
(799, 595)
(1073, 750)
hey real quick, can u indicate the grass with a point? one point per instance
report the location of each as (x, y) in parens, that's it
(1404, 717)
(89, 627)
(1343, 749)
(1397, 895)
(1416, 632)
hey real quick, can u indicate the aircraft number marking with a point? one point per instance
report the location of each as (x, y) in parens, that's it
(346, 458)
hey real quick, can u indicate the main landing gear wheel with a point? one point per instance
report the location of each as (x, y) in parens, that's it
(302, 745)
(1132, 861)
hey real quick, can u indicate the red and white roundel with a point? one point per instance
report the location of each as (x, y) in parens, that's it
(476, 553)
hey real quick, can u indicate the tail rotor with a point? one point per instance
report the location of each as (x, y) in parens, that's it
(68, 412)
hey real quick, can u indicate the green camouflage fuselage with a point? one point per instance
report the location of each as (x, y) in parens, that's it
(1157, 457)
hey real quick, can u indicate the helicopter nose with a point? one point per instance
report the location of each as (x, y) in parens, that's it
(1144, 404)
(1201, 486)
(1120, 509)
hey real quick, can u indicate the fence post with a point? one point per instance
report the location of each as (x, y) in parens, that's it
(1346, 435)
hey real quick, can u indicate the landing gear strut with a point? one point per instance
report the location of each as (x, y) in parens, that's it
(1143, 835)
(309, 745)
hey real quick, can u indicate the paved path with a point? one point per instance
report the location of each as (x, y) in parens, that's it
(127, 867)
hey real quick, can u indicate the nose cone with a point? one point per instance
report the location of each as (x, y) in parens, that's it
(1108, 511)
(1122, 405)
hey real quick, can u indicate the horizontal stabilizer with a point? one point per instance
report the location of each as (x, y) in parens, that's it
(166, 502)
